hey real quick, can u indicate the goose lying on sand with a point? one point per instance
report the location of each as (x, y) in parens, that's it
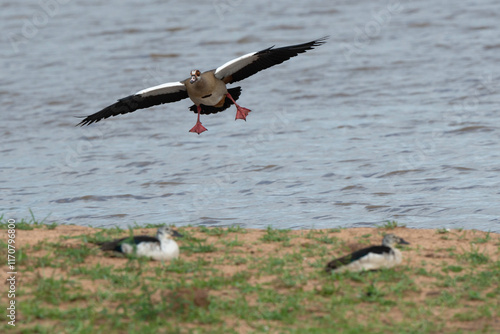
(370, 258)
(159, 248)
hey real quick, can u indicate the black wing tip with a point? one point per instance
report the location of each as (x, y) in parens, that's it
(110, 246)
(331, 266)
(122, 106)
(339, 262)
(320, 41)
(86, 121)
(304, 46)
(335, 264)
(317, 42)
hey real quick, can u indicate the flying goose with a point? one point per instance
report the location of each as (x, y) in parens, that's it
(370, 258)
(207, 90)
(163, 247)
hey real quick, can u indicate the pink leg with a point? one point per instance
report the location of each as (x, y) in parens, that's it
(198, 128)
(241, 113)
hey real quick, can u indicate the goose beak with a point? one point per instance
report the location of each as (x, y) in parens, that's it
(403, 241)
(177, 234)
(193, 79)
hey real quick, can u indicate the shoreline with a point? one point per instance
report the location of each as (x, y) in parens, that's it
(246, 280)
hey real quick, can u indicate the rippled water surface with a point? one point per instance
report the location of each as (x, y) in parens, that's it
(395, 118)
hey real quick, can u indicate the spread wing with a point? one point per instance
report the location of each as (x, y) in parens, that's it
(342, 261)
(251, 63)
(165, 93)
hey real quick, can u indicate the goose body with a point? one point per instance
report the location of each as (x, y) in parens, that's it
(207, 90)
(160, 248)
(370, 258)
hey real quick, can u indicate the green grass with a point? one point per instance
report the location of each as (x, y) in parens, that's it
(474, 256)
(442, 231)
(322, 237)
(275, 235)
(273, 285)
(26, 224)
(482, 240)
(390, 225)
(219, 231)
(198, 246)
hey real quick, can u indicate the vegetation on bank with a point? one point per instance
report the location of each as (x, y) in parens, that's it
(237, 280)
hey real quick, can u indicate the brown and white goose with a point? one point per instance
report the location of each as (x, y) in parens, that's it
(208, 89)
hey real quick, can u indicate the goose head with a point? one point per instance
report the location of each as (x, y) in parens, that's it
(391, 240)
(195, 76)
(166, 232)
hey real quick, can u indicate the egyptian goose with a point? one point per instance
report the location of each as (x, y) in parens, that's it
(161, 248)
(370, 258)
(208, 89)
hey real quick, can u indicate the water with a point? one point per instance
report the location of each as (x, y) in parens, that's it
(395, 118)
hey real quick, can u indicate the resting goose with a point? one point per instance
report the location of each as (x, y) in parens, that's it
(207, 90)
(370, 258)
(163, 247)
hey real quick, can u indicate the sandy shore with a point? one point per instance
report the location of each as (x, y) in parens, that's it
(431, 255)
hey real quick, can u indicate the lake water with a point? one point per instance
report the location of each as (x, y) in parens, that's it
(395, 118)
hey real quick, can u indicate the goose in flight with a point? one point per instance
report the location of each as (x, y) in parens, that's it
(207, 90)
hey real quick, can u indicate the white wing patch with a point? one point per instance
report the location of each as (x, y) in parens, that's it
(166, 88)
(127, 249)
(235, 65)
(148, 249)
(373, 261)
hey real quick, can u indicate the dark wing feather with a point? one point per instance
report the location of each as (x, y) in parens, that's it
(205, 110)
(115, 245)
(342, 261)
(141, 100)
(250, 64)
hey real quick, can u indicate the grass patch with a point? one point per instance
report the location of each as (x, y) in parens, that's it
(234, 280)
(390, 225)
(275, 235)
(474, 256)
(26, 224)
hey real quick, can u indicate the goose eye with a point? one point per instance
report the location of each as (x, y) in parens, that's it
(198, 73)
